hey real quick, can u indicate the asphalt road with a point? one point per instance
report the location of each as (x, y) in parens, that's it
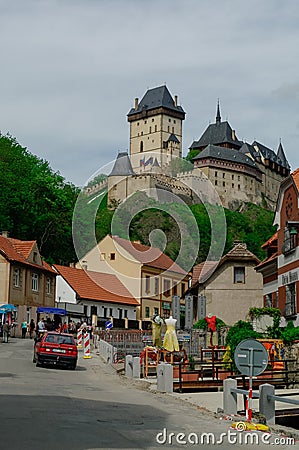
(94, 408)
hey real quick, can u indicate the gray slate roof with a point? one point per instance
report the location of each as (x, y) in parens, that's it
(217, 133)
(281, 155)
(248, 148)
(122, 166)
(156, 98)
(228, 154)
(173, 138)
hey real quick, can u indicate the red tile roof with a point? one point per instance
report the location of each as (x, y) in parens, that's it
(149, 256)
(295, 176)
(19, 251)
(97, 286)
(202, 271)
(270, 241)
(267, 261)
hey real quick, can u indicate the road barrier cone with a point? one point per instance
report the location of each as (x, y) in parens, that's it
(87, 354)
(79, 338)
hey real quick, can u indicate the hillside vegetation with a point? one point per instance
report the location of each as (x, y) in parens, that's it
(37, 204)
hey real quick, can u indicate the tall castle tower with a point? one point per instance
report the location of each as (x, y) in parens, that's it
(155, 130)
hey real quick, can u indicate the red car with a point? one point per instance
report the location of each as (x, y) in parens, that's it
(56, 348)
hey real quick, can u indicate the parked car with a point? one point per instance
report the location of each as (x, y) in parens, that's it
(56, 348)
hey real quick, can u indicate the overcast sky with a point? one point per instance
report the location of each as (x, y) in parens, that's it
(70, 70)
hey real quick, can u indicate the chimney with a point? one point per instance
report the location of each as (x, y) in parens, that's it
(175, 100)
(4, 234)
(72, 265)
(84, 265)
(136, 103)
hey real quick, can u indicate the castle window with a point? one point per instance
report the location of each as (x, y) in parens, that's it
(215, 174)
(141, 147)
(173, 129)
(169, 120)
(145, 122)
(223, 175)
(155, 127)
(137, 124)
(168, 129)
(150, 129)
(223, 183)
(174, 121)
(153, 120)
(238, 177)
(233, 185)
(239, 187)
(216, 182)
(141, 133)
(233, 176)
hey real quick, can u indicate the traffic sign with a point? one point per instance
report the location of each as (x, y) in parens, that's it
(108, 325)
(251, 357)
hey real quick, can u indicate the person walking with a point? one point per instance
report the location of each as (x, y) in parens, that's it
(31, 328)
(6, 329)
(24, 329)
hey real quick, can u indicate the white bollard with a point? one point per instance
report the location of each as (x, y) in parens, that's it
(229, 398)
(136, 367)
(129, 366)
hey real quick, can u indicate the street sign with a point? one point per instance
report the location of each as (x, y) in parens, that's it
(108, 325)
(251, 357)
(201, 306)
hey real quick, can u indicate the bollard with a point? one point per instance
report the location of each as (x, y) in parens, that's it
(229, 398)
(79, 338)
(136, 367)
(129, 366)
(165, 377)
(266, 405)
(87, 354)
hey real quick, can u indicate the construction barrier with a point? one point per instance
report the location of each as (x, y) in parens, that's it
(86, 338)
(79, 339)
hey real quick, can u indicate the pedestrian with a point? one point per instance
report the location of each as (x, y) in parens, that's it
(64, 328)
(31, 328)
(24, 329)
(6, 329)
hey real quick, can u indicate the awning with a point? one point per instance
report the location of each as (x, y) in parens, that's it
(8, 307)
(44, 309)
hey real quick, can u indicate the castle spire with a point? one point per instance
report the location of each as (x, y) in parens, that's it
(218, 117)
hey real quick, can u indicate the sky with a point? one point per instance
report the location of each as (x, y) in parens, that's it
(70, 70)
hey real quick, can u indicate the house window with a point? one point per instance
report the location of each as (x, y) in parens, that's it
(166, 287)
(111, 312)
(48, 286)
(147, 284)
(290, 308)
(103, 256)
(34, 282)
(17, 278)
(112, 256)
(105, 312)
(290, 239)
(183, 289)
(268, 301)
(156, 285)
(239, 275)
(156, 311)
(175, 289)
(147, 312)
(125, 313)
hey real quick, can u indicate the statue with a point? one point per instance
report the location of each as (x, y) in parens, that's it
(157, 323)
(170, 339)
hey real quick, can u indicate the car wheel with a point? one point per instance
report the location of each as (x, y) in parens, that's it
(73, 366)
(34, 359)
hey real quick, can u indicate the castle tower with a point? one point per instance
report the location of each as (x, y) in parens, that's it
(155, 129)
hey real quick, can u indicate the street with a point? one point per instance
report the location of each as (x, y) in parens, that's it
(90, 408)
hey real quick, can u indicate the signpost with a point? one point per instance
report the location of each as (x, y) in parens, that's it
(251, 359)
(108, 325)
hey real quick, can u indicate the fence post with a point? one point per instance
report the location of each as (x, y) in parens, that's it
(129, 366)
(229, 398)
(267, 405)
(136, 367)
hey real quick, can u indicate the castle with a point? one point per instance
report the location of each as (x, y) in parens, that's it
(225, 171)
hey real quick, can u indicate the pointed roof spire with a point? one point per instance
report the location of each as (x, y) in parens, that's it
(218, 117)
(281, 155)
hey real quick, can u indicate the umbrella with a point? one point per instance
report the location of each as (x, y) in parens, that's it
(8, 307)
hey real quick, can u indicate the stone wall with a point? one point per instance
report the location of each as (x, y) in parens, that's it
(292, 352)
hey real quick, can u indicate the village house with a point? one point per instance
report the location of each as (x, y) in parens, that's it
(95, 297)
(26, 281)
(228, 287)
(150, 276)
(280, 270)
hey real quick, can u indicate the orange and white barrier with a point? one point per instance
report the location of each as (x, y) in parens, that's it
(79, 339)
(87, 354)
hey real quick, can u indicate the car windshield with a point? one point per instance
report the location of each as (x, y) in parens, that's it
(59, 339)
